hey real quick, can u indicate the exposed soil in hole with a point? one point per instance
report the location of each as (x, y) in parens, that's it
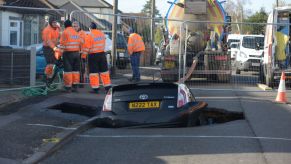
(210, 116)
(85, 110)
(206, 116)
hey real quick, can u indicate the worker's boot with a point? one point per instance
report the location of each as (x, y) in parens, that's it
(95, 90)
(67, 90)
(75, 88)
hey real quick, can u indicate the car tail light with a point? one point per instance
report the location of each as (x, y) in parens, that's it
(107, 106)
(182, 97)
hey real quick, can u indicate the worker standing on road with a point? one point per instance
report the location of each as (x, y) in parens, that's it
(50, 36)
(95, 47)
(83, 58)
(70, 43)
(135, 49)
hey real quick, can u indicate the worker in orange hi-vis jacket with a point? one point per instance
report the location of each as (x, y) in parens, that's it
(135, 49)
(94, 47)
(83, 62)
(50, 37)
(70, 43)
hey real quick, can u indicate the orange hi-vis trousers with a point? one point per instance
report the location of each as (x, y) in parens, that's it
(49, 70)
(71, 68)
(71, 78)
(94, 79)
(98, 67)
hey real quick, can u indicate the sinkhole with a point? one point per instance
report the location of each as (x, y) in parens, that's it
(74, 108)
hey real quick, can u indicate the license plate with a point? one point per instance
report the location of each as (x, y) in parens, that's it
(169, 64)
(120, 50)
(256, 64)
(144, 105)
(121, 54)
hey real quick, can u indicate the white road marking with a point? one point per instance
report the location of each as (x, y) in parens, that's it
(52, 126)
(230, 89)
(182, 136)
(232, 98)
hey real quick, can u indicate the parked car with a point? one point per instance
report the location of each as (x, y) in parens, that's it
(40, 60)
(122, 57)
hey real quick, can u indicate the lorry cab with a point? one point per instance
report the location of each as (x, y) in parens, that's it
(249, 54)
(277, 46)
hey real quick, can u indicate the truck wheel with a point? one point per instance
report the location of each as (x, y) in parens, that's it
(121, 65)
(169, 77)
(237, 71)
(262, 77)
(270, 81)
(223, 77)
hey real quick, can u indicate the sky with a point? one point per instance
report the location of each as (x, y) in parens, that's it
(128, 6)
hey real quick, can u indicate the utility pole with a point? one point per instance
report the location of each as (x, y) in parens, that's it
(114, 29)
(153, 31)
(277, 3)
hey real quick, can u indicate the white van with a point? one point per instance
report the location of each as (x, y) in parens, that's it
(249, 54)
(232, 43)
(233, 38)
(277, 47)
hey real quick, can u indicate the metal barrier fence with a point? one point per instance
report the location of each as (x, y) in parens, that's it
(229, 55)
(21, 54)
(232, 55)
(141, 25)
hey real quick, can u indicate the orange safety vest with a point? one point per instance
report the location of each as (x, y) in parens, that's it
(70, 40)
(50, 36)
(135, 43)
(94, 42)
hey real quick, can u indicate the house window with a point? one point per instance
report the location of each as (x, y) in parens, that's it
(15, 33)
(13, 24)
(13, 38)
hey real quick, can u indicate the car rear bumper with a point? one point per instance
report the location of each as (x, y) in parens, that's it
(177, 117)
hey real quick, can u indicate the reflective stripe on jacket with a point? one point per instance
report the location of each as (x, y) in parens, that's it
(94, 42)
(135, 43)
(70, 40)
(50, 36)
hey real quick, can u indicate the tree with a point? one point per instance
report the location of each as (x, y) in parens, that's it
(158, 36)
(258, 17)
(147, 9)
(235, 9)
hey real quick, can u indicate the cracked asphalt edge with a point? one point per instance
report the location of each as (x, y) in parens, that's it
(50, 148)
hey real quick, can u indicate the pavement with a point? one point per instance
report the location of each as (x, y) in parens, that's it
(27, 135)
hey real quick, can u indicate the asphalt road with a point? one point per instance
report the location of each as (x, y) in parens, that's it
(262, 138)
